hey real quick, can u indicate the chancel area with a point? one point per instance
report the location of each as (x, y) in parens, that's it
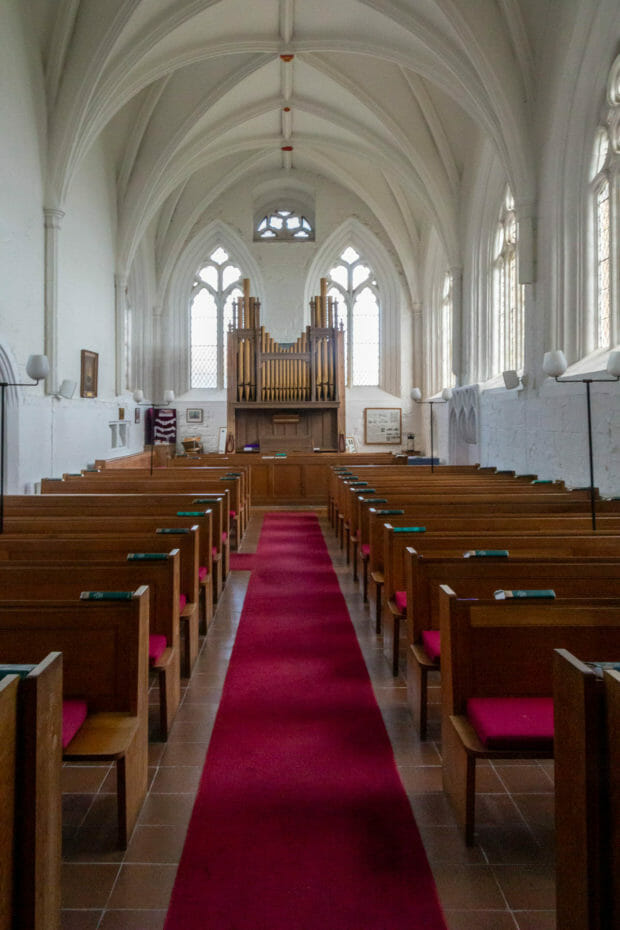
(309, 311)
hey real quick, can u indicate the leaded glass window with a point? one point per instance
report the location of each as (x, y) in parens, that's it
(216, 285)
(602, 175)
(284, 226)
(353, 285)
(508, 304)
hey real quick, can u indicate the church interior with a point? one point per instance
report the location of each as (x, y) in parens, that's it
(277, 240)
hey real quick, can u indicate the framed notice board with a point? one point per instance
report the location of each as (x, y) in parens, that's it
(382, 425)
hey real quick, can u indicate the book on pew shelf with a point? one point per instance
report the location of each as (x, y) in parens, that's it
(106, 595)
(409, 529)
(597, 667)
(542, 481)
(502, 595)
(389, 513)
(486, 553)
(21, 670)
(173, 530)
(146, 556)
(367, 491)
(378, 500)
(191, 513)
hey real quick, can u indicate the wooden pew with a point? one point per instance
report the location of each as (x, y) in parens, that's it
(568, 575)
(165, 506)
(54, 581)
(30, 794)
(105, 662)
(587, 794)
(114, 547)
(504, 650)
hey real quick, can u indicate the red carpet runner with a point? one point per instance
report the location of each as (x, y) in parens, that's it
(301, 821)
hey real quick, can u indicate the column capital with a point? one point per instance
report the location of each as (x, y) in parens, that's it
(53, 217)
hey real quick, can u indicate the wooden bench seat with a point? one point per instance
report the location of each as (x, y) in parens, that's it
(587, 793)
(104, 644)
(30, 794)
(569, 576)
(53, 581)
(76, 547)
(504, 650)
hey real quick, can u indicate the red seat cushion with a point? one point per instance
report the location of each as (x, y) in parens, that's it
(74, 712)
(233, 514)
(431, 640)
(224, 537)
(365, 549)
(203, 571)
(214, 552)
(400, 599)
(513, 722)
(182, 602)
(157, 646)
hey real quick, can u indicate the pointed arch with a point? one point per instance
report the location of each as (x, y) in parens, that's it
(177, 298)
(354, 233)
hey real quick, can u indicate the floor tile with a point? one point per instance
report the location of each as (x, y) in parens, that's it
(143, 886)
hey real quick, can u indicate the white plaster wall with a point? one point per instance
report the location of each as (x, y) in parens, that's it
(21, 189)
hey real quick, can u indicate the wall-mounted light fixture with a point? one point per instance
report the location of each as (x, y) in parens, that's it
(512, 379)
(416, 397)
(37, 368)
(66, 390)
(554, 365)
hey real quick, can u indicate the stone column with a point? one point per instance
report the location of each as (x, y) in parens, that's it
(52, 221)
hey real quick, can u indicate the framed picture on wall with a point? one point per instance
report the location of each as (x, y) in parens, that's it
(89, 373)
(382, 425)
(194, 415)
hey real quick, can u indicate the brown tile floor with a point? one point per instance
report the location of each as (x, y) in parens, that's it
(505, 882)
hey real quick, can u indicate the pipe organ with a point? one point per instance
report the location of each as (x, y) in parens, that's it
(285, 397)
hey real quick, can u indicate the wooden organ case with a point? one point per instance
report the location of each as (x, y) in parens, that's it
(285, 397)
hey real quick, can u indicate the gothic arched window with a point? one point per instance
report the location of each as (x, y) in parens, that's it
(508, 316)
(605, 200)
(216, 285)
(353, 285)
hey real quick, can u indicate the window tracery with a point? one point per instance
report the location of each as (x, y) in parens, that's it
(354, 287)
(216, 285)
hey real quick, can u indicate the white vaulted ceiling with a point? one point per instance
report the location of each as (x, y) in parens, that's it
(388, 98)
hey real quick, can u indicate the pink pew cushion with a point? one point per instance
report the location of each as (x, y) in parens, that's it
(203, 571)
(182, 602)
(400, 599)
(365, 549)
(512, 722)
(214, 552)
(74, 712)
(157, 647)
(233, 514)
(224, 537)
(431, 640)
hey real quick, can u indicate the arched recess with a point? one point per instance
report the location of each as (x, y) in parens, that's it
(175, 318)
(354, 233)
(9, 373)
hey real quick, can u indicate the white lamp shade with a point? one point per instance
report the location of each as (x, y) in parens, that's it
(38, 367)
(138, 396)
(67, 388)
(168, 397)
(554, 363)
(446, 394)
(416, 394)
(613, 363)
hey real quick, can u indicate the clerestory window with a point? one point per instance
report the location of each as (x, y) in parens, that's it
(605, 205)
(284, 225)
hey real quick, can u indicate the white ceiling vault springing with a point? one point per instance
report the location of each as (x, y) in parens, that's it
(388, 98)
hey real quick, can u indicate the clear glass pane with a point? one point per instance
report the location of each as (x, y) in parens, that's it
(305, 224)
(301, 235)
(293, 222)
(360, 274)
(230, 274)
(276, 222)
(284, 212)
(262, 225)
(219, 256)
(366, 339)
(603, 263)
(268, 234)
(340, 275)
(204, 366)
(208, 274)
(349, 255)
